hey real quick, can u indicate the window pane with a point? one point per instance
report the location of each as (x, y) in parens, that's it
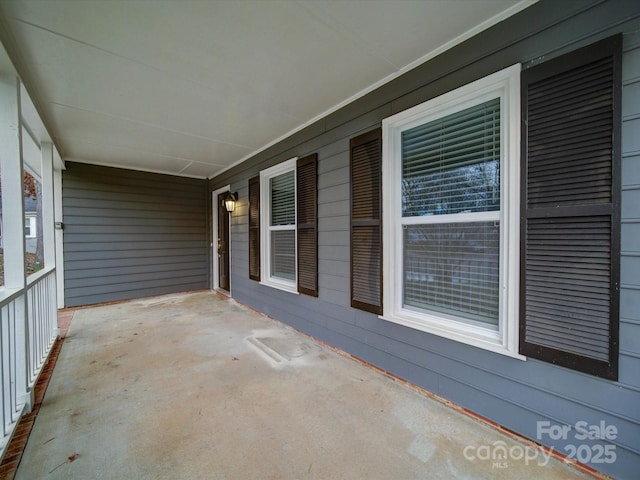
(452, 165)
(283, 197)
(453, 268)
(283, 254)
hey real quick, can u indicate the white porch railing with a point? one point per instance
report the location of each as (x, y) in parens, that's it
(42, 321)
(28, 330)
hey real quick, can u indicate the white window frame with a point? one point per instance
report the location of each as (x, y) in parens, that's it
(505, 85)
(266, 228)
(30, 221)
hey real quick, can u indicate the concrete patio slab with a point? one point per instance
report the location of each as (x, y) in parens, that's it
(195, 386)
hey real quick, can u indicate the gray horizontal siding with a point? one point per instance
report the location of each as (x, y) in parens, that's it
(630, 244)
(513, 393)
(132, 234)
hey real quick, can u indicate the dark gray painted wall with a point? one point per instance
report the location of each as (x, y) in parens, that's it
(513, 393)
(132, 234)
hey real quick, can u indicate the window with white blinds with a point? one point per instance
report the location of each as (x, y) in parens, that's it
(450, 215)
(451, 169)
(283, 226)
(283, 199)
(452, 165)
(278, 212)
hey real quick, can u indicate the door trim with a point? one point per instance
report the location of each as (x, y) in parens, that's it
(214, 240)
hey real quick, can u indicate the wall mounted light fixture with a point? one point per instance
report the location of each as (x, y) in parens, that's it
(230, 201)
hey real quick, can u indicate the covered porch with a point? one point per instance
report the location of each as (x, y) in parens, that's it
(196, 385)
(131, 124)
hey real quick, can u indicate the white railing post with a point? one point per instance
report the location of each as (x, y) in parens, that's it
(48, 209)
(54, 330)
(5, 363)
(11, 172)
(28, 319)
(59, 251)
(48, 230)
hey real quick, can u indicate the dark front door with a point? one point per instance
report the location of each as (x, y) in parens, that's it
(223, 244)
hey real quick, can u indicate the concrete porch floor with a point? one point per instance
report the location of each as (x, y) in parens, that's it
(195, 386)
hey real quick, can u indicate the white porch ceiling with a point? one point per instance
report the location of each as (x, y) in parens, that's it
(192, 87)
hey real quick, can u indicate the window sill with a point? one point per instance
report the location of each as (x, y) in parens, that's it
(473, 336)
(286, 287)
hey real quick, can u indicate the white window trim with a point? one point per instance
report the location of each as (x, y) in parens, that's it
(265, 229)
(32, 225)
(504, 84)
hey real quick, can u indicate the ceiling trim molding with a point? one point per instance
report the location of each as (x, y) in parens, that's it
(137, 169)
(514, 9)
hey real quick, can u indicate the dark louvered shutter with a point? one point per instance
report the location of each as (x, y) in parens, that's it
(307, 211)
(254, 228)
(366, 222)
(571, 210)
